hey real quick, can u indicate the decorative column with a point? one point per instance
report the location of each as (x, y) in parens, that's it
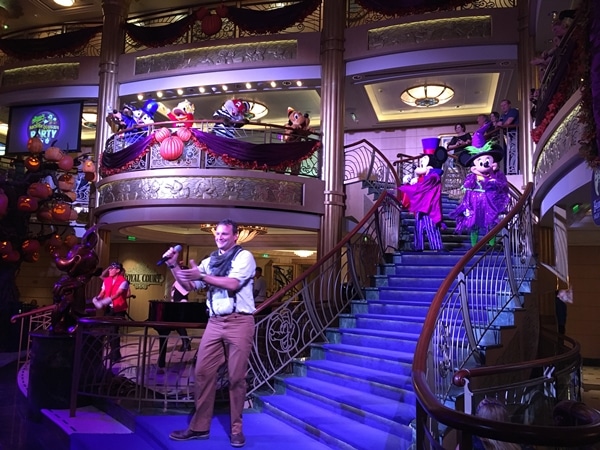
(526, 82)
(332, 121)
(113, 38)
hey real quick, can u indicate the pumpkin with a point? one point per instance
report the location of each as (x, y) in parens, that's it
(71, 194)
(61, 211)
(74, 215)
(35, 145)
(222, 11)
(53, 154)
(39, 190)
(5, 247)
(3, 203)
(171, 148)
(44, 214)
(66, 182)
(33, 163)
(55, 241)
(31, 257)
(66, 163)
(184, 133)
(31, 246)
(89, 176)
(88, 166)
(11, 257)
(27, 203)
(161, 134)
(71, 241)
(211, 24)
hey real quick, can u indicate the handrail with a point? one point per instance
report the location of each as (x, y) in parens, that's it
(430, 406)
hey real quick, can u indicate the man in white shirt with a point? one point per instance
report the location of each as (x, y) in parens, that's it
(227, 275)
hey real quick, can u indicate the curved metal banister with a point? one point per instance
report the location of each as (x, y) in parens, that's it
(431, 402)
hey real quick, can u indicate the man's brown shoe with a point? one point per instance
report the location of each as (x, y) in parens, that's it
(188, 435)
(237, 440)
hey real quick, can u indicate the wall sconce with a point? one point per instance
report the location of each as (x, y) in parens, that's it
(304, 253)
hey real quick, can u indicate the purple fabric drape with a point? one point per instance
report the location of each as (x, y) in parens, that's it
(272, 20)
(234, 152)
(161, 35)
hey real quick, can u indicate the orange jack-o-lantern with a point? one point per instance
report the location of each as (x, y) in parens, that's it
(39, 190)
(184, 133)
(71, 240)
(44, 214)
(88, 166)
(53, 154)
(31, 257)
(11, 257)
(33, 163)
(211, 24)
(171, 148)
(35, 145)
(27, 203)
(161, 134)
(61, 211)
(3, 203)
(66, 163)
(55, 241)
(66, 182)
(31, 246)
(5, 247)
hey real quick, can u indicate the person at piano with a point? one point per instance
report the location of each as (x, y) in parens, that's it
(227, 275)
(260, 287)
(112, 298)
(180, 294)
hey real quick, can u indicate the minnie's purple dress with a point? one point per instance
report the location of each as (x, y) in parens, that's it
(486, 198)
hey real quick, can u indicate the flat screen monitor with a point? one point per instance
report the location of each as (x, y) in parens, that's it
(57, 124)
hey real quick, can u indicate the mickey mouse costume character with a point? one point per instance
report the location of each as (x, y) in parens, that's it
(424, 195)
(486, 191)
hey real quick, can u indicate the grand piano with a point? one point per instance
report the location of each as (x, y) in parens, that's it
(166, 311)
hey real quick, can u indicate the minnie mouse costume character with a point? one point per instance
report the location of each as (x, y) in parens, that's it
(486, 191)
(424, 195)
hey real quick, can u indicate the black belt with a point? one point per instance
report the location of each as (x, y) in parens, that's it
(230, 314)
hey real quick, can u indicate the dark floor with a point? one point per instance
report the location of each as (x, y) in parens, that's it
(20, 430)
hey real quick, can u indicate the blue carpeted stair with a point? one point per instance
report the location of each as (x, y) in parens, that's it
(355, 392)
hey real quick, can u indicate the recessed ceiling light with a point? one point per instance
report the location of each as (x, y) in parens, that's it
(64, 2)
(159, 94)
(298, 83)
(286, 83)
(179, 91)
(248, 85)
(273, 84)
(202, 89)
(140, 97)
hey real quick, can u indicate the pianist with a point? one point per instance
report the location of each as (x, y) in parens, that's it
(227, 275)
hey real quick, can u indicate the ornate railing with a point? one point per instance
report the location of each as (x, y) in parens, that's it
(253, 146)
(363, 162)
(35, 320)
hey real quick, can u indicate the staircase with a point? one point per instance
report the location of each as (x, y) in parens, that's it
(355, 391)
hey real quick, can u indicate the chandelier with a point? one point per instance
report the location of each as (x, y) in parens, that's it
(427, 95)
(245, 232)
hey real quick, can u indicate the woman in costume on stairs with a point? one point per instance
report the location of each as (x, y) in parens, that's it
(424, 195)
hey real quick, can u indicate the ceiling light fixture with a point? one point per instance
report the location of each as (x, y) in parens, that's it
(304, 253)
(427, 95)
(64, 2)
(245, 232)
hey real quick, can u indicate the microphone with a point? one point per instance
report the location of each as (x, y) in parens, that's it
(168, 254)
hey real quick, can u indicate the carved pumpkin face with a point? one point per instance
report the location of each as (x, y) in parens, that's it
(44, 214)
(61, 211)
(33, 163)
(55, 241)
(66, 182)
(27, 203)
(31, 246)
(88, 166)
(5, 247)
(31, 257)
(11, 257)
(35, 145)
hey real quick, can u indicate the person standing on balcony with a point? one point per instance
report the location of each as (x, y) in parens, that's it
(508, 114)
(227, 275)
(460, 141)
